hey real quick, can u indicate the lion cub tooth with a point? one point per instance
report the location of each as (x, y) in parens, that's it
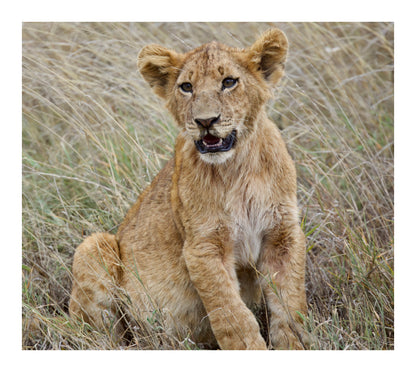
(219, 143)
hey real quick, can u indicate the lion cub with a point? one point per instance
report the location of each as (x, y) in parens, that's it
(217, 229)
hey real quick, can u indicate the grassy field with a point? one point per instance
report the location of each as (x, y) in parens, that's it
(94, 136)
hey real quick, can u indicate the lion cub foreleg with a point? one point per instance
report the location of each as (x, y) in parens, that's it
(283, 269)
(211, 271)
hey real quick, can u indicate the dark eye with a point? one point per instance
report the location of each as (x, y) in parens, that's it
(186, 87)
(228, 83)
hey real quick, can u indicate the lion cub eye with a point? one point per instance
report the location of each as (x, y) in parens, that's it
(186, 87)
(228, 83)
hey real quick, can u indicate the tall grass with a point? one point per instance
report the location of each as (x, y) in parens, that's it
(94, 135)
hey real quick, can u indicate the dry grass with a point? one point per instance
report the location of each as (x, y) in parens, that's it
(94, 135)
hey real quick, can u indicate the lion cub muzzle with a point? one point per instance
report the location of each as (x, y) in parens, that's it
(210, 142)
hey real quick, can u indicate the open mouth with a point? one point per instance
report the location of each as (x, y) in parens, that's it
(210, 143)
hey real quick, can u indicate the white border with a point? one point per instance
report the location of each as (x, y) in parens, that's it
(398, 11)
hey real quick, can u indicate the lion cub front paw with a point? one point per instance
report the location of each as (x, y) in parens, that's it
(255, 342)
(242, 335)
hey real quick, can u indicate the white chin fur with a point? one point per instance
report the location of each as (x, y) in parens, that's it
(217, 157)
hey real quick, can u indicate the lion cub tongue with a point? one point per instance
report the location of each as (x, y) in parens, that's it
(211, 140)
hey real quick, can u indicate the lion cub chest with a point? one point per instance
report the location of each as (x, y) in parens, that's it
(251, 219)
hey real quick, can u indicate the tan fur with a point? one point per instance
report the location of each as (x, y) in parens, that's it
(212, 229)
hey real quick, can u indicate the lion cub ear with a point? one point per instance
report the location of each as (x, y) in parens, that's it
(268, 54)
(159, 67)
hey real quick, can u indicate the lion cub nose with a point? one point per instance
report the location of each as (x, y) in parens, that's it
(207, 123)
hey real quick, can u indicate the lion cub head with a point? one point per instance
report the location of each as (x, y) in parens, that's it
(215, 92)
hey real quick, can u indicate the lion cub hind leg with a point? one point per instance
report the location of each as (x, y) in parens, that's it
(96, 268)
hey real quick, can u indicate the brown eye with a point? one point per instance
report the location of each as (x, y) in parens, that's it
(186, 87)
(228, 83)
